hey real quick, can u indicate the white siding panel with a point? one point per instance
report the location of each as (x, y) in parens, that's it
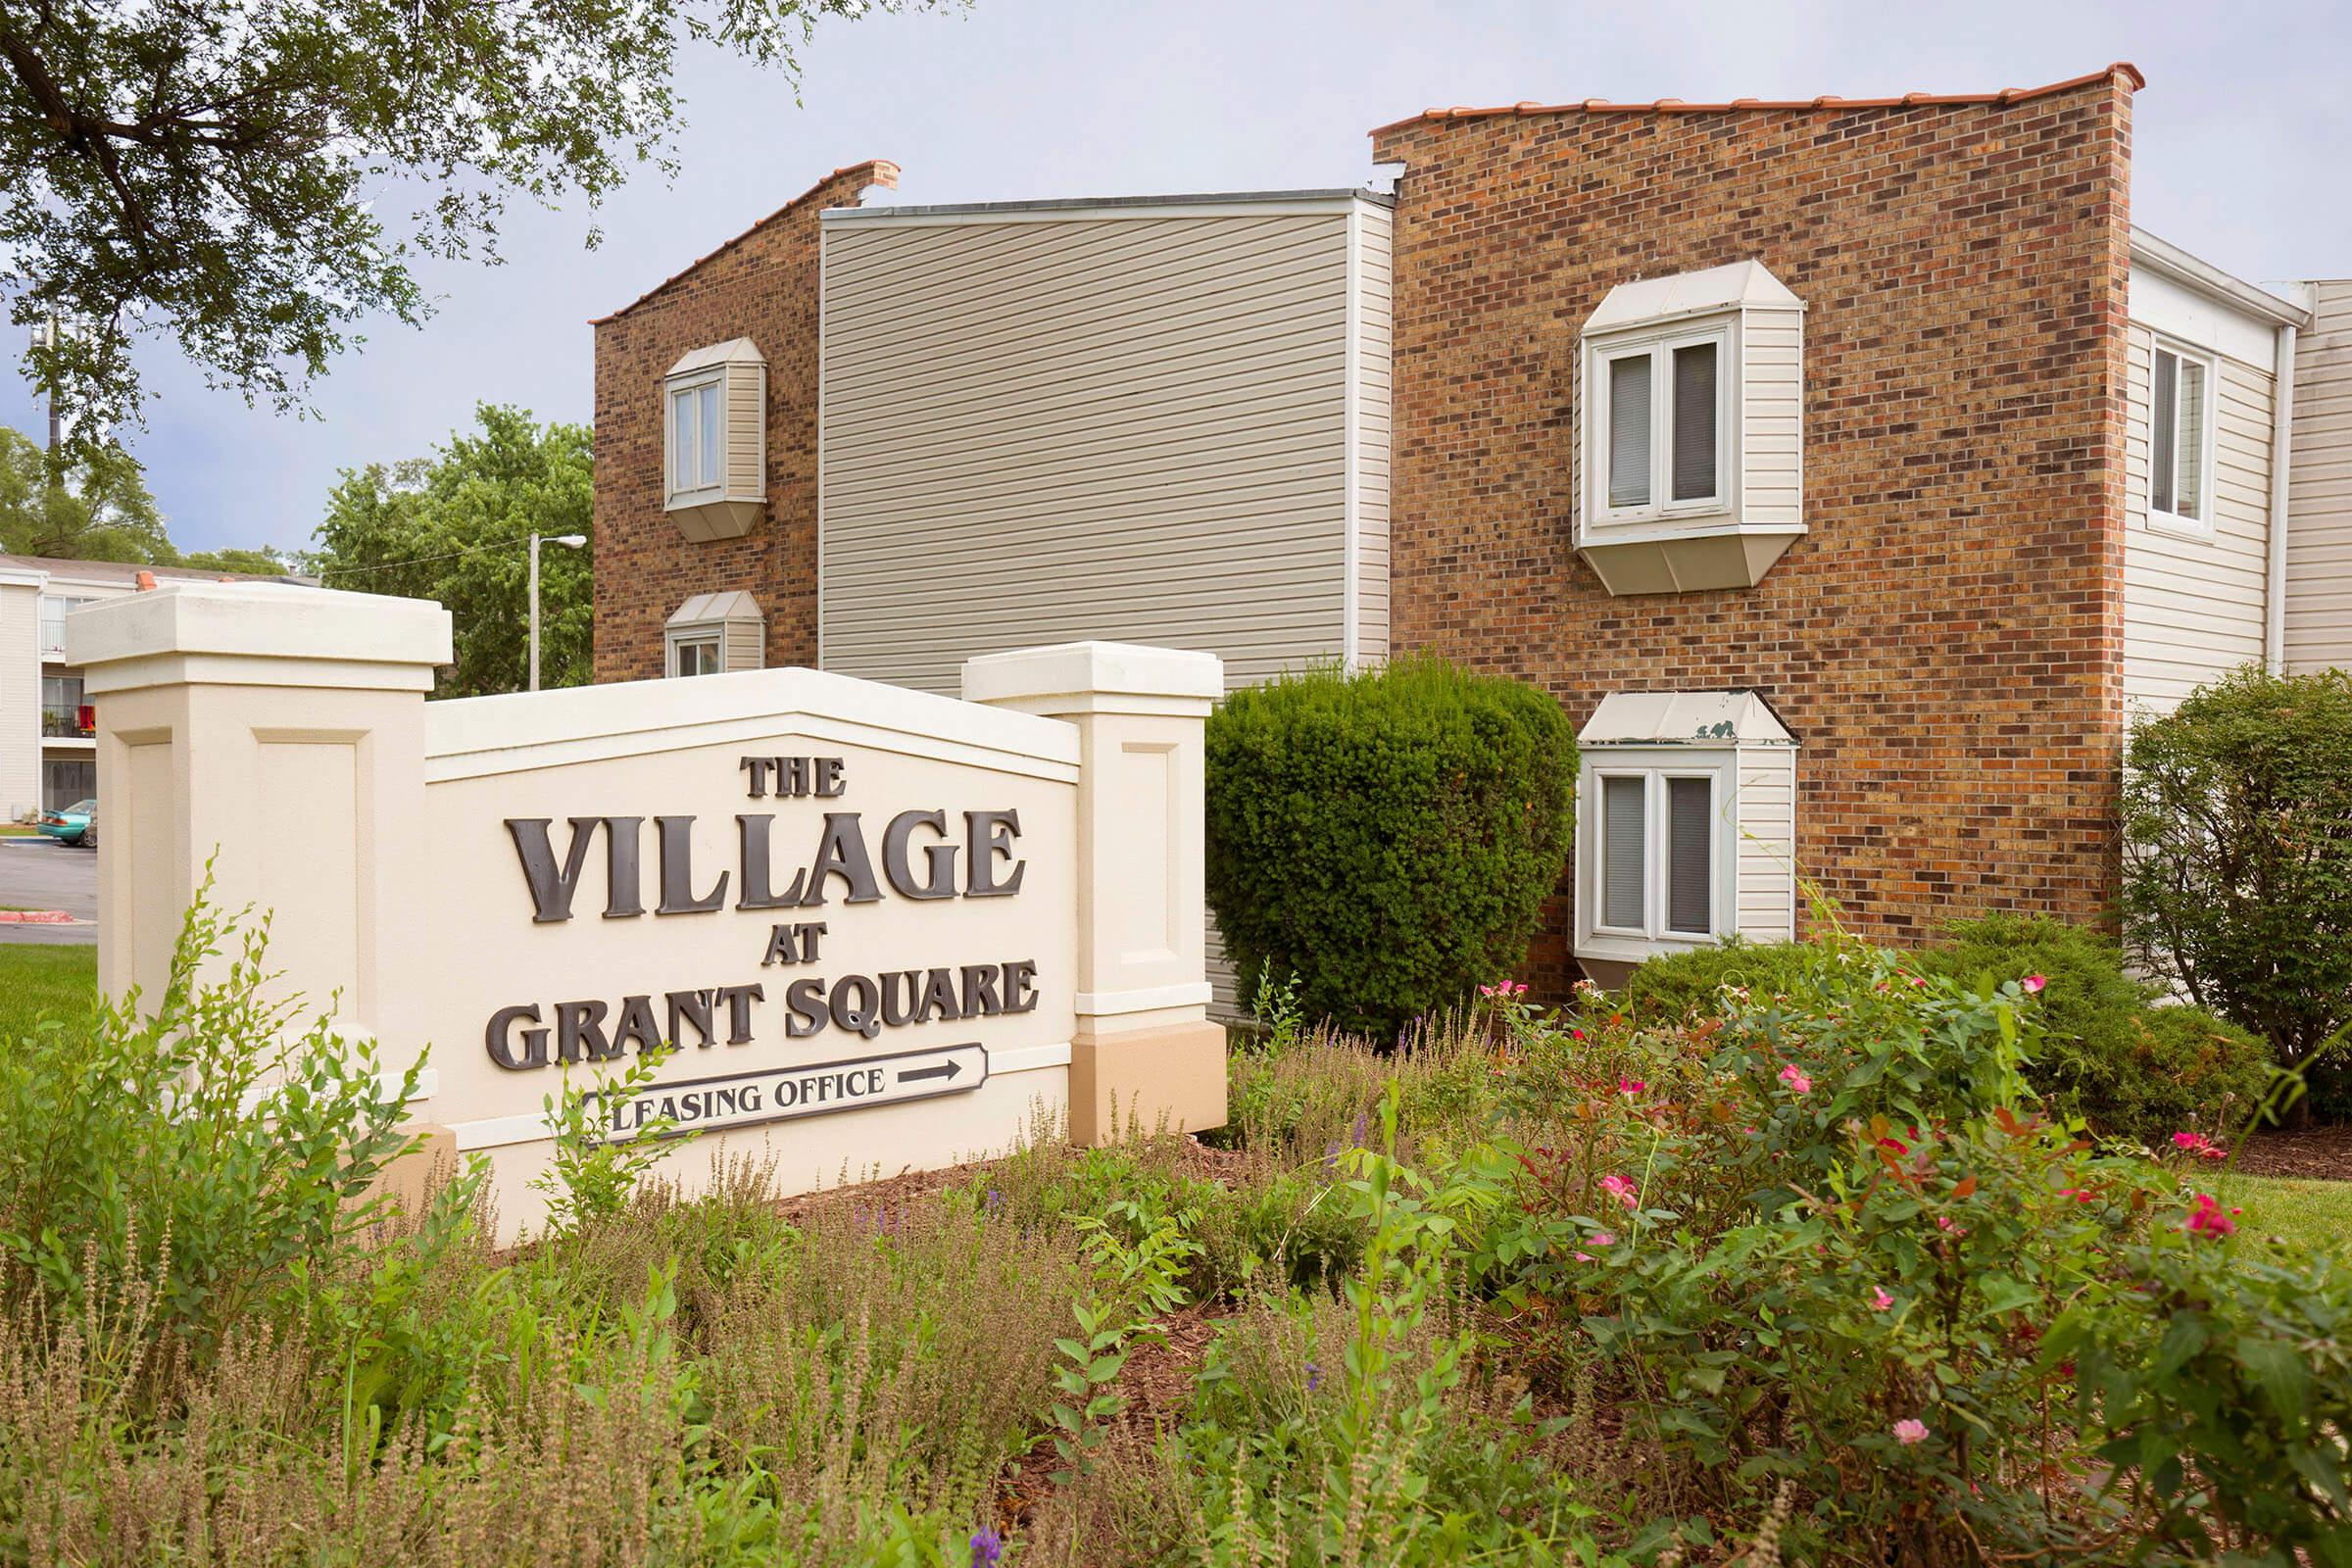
(2318, 537)
(1375, 301)
(1772, 416)
(1118, 428)
(1767, 871)
(2193, 605)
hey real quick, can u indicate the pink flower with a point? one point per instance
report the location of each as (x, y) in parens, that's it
(1630, 1087)
(1576, 1034)
(1622, 1189)
(2034, 982)
(1794, 1077)
(1604, 1239)
(2199, 1145)
(1879, 1300)
(2209, 1220)
(1910, 1430)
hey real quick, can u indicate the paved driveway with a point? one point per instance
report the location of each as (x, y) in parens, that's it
(37, 873)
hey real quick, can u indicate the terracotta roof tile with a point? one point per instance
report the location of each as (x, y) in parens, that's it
(877, 172)
(1675, 105)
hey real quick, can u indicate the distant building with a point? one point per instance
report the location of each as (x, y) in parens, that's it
(1869, 429)
(48, 756)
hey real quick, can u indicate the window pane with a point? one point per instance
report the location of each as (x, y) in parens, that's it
(2164, 425)
(681, 441)
(1690, 856)
(1694, 421)
(1623, 833)
(1629, 432)
(2188, 463)
(708, 418)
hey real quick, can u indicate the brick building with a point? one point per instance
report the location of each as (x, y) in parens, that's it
(1850, 469)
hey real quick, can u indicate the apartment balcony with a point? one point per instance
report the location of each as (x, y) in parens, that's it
(60, 722)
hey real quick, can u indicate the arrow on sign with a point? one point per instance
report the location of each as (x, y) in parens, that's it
(946, 1070)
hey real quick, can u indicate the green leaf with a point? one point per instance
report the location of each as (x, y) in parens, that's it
(2278, 1371)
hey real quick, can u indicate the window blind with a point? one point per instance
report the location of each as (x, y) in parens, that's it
(1624, 835)
(1690, 856)
(2189, 481)
(2164, 430)
(707, 418)
(1629, 432)
(1694, 421)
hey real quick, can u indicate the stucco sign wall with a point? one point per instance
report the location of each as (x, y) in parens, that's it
(873, 929)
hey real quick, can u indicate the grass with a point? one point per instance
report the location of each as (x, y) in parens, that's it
(2308, 1216)
(39, 982)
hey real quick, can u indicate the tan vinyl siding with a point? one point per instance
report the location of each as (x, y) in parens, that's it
(2319, 537)
(1771, 418)
(2193, 603)
(1767, 876)
(747, 433)
(1127, 427)
(1375, 295)
(746, 641)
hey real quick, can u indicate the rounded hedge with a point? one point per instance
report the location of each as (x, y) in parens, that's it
(1387, 836)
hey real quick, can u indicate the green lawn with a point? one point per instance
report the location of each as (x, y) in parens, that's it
(45, 982)
(2309, 1215)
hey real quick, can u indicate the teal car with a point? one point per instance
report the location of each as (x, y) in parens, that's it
(68, 825)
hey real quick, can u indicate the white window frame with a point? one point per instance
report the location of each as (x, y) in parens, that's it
(1654, 765)
(674, 390)
(2201, 526)
(708, 634)
(1658, 343)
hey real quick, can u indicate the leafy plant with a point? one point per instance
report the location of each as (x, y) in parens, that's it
(592, 1174)
(1132, 1286)
(1387, 835)
(201, 1137)
(2237, 871)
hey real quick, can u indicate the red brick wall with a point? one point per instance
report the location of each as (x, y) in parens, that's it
(762, 285)
(1946, 641)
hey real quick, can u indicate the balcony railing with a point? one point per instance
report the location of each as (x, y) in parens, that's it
(63, 724)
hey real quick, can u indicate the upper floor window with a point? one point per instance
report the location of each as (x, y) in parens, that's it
(54, 609)
(1664, 421)
(715, 440)
(2180, 440)
(697, 424)
(1690, 417)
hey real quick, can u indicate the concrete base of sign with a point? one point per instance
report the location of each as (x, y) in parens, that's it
(409, 1181)
(1178, 1071)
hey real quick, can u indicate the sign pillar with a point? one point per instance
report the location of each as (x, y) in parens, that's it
(1145, 1050)
(276, 732)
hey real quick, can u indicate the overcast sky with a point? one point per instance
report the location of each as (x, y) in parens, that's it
(2242, 143)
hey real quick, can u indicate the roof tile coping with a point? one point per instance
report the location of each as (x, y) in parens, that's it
(879, 171)
(1830, 102)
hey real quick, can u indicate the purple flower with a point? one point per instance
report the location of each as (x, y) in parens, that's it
(996, 1200)
(1361, 1127)
(1314, 1375)
(987, 1547)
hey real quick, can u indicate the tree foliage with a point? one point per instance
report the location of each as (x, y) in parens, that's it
(96, 509)
(454, 527)
(2238, 829)
(1386, 836)
(225, 172)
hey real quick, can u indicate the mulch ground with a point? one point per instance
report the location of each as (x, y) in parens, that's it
(2314, 1153)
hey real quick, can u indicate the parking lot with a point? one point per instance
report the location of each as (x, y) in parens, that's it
(37, 873)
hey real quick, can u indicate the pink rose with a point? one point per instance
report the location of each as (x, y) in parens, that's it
(2034, 982)
(1879, 1300)
(1794, 1077)
(1910, 1430)
(1622, 1189)
(1630, 1087)
(2208, 1218)
(1604, 1239)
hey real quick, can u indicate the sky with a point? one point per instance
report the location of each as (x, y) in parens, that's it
(2242, 144)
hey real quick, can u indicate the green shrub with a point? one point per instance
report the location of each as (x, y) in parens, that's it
(2238, 866)
(197, 1140)
(1675, 986)
(2116, 1057)
(1388, 836)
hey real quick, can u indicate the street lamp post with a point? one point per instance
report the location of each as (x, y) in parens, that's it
(569, 540)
